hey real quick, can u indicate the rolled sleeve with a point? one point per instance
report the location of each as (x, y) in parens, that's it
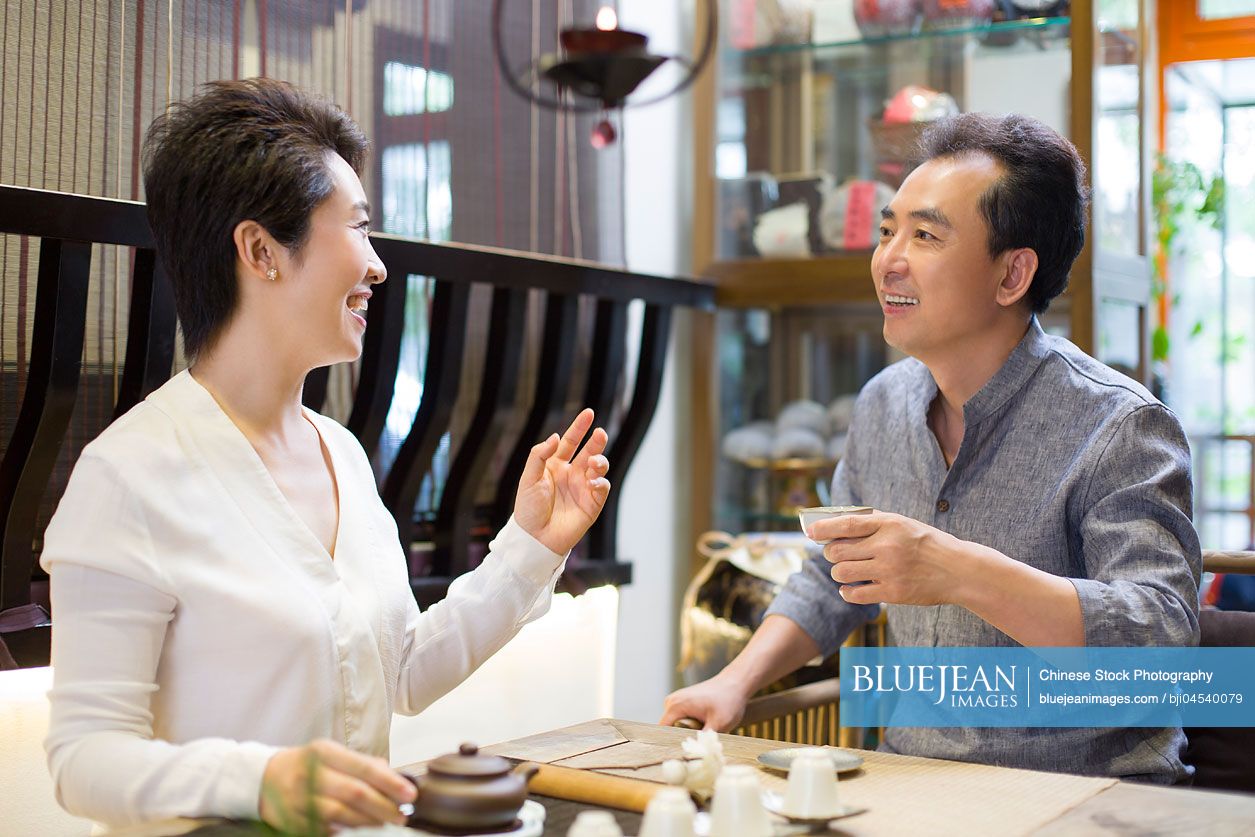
(1141, 553)
(811, 599)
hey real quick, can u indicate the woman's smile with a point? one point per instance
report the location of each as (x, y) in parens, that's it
(358, 304)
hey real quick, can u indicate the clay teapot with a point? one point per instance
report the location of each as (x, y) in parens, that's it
(467, 792)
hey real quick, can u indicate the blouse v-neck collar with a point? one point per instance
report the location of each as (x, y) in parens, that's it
(238, 466)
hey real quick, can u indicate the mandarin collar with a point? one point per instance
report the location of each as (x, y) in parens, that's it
(1022, 364)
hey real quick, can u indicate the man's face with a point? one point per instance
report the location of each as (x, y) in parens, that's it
(934, 276)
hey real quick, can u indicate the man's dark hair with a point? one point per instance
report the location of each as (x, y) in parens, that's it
(1040, 200)
(240, 150)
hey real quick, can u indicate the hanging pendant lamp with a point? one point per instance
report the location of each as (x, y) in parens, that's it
(599, 66)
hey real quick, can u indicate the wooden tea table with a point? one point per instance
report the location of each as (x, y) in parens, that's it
(908, 794)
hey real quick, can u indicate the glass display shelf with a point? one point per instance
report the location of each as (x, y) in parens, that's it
(865, 61)
(990, 30)
(812, 139)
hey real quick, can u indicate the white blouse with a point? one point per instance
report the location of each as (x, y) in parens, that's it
(199, 625)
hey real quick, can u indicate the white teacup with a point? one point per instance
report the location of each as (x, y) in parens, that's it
(813, 514)
(812, 790)
(737, 809)
(670, 813)
(595, 824)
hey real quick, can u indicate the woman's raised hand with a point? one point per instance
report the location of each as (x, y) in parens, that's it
(560, 497)
(324, 786)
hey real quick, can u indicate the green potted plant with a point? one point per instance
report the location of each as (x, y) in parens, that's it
(1180, 194)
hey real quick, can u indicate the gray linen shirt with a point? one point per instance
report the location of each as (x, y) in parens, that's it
(1066, 466)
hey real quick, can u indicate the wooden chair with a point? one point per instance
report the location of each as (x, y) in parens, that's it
(67, 401)
(1221, 756)
(1219, 561)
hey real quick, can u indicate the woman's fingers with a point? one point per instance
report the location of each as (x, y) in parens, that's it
(536, 460)
(596, 444)
(575, 434)
(598, 466)
(364, 785)
(375, 772)
(600, 489)
(325, 784)
(358, 796)
(334, 812)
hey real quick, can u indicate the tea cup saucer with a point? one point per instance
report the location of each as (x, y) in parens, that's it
(842, 760)
(774, 803)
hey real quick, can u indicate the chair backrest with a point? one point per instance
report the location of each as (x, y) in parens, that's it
(1229, 561)
(586, 314)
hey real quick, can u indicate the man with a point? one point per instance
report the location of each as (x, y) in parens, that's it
(1025, 493)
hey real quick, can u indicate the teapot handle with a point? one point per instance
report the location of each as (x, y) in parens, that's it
(527, 770)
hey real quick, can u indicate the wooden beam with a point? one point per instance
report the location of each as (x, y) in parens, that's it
(1081, 284)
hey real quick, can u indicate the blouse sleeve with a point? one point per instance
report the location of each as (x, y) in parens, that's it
(484, 609)
(111, 606)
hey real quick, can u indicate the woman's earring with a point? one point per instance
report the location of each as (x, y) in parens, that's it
(272, 274)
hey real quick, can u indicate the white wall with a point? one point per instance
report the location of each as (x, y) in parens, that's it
(655, 499)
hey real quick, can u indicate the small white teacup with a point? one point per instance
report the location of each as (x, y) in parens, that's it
(812, 790)
(595, 824)
(670, 813)
(737, 809)
(813, 514)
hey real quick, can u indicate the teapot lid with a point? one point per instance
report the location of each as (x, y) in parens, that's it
(467, 763)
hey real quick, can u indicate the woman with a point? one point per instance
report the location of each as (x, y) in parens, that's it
(227, 585)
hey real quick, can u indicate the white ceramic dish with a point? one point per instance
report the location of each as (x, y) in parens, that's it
(791, 827)
(773, 802)
(842, 760)
(701, 827)
(531, 824)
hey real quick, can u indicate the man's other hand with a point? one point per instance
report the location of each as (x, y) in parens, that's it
(717, 704)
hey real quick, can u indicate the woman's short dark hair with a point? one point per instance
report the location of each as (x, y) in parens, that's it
(1040, 200)
(240, 150)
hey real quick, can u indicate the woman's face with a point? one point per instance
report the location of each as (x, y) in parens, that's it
(323, 294)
